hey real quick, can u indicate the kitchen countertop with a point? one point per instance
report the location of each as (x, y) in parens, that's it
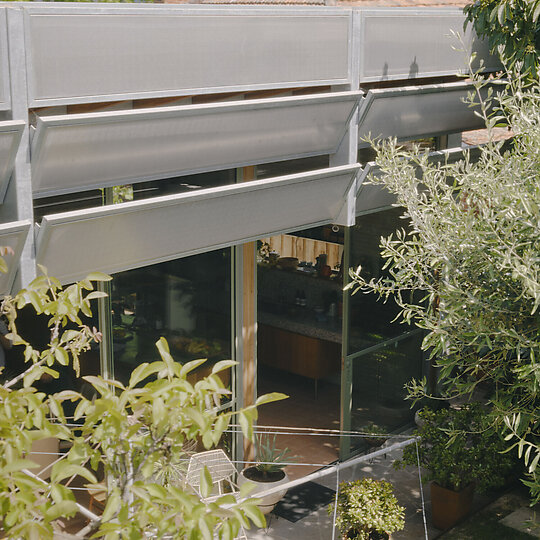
(303, 321)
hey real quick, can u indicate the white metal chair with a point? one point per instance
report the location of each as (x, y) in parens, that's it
(222, 471)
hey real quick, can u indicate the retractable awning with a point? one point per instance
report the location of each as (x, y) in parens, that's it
(412, 43)
(12, 235)
(375, 197)
(84, 151)
(10, 137)
(5, 99)
(143, 51)
(129, 235)
(413, 112)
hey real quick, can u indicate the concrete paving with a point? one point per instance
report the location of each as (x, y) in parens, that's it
(525, 520)
(408, 490)
(318, 525)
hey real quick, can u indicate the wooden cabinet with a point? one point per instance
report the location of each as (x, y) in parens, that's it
(296, 353)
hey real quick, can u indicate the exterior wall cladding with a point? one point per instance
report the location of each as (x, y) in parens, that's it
(102, 95)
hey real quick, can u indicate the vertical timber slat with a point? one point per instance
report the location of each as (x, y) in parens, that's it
(249, 328)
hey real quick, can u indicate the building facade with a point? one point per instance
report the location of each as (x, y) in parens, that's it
(190, 150)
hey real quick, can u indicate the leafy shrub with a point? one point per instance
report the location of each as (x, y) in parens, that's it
(367, 506)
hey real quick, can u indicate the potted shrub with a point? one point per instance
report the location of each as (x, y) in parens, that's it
(461, 452)
(267, 472)
(367, 509)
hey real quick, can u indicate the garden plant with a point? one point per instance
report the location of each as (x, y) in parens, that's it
(121, 433)
(466, 271)
(367, 509)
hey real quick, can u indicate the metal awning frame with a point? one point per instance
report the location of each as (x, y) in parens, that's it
(5, 93)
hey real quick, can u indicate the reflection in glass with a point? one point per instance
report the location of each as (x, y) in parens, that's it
(35, 330)
(379, 378)
(128, 192)
(370, 320)
(188, 301)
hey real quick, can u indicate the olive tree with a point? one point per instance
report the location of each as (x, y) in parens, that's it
(467, 271)
(128, 434)
(512, 28)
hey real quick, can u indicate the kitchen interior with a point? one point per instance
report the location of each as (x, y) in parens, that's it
(300, 335)
(300, 282)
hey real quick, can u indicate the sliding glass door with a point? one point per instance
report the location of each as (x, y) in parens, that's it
(380, 355)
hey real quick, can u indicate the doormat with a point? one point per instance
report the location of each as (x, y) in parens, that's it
(301, 500)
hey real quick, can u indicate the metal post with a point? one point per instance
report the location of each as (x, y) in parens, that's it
(105, 315)
(346, 363)
(347, 153)
(18, 203)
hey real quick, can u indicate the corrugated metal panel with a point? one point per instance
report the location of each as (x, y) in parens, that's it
(160, 51)
(130, 235)
(416, 111)
(415, 43)
(5, 99)
(10, 137)
(12, 235)
(84, 151)
(375, 197)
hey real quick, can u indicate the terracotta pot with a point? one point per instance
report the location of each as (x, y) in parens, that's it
(448, 507)
(267, 503)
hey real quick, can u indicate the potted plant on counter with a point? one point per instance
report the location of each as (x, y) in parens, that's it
(268, 471)
(461, 452)
(367, 509)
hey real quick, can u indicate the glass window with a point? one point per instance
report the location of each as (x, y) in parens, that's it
(370, 320)
(128, 192)
(378, 396)
(183, 184)
(292, 166)
(34, 329)
(188, 301)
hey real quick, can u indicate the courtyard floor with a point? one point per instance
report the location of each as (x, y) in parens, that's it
(493, 518)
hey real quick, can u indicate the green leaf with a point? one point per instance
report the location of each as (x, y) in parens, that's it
(190, 366)
(222, 365)
(206, 482)
(99, 384)
(269, 398)
(16, 465)
(205, 529)
(114, 502)
(61, 356)
(98, 276)
(96, 294)
(254, 513)
(142, 372)
(63, 469)
(61, 509)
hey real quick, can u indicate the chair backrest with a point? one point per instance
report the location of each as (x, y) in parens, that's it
(218, 464)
